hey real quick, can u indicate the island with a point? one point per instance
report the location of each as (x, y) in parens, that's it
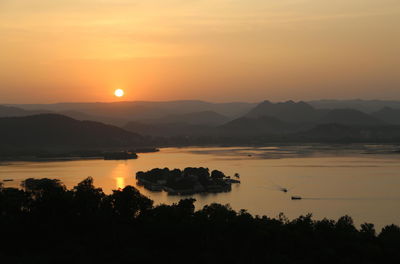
(185, 182)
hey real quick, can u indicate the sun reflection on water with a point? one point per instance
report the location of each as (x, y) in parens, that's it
(120, 182)
(119, 173)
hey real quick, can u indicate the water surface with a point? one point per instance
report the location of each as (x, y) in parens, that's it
(362, 182)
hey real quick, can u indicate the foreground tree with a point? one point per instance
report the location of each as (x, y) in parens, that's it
(129, 202)
(46, 223)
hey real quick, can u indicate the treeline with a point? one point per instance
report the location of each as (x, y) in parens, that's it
(188, 181)
(44, 222)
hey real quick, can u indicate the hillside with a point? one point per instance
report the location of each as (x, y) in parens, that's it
(10, 111)
(289, 111)
(141, 110)
(340, 132)
(388, 115)
(169, 129)
(350, 117)
(192, 120)
(367, 106)
(53, 131)
(196, 118)
(102, 119)
(255, 126)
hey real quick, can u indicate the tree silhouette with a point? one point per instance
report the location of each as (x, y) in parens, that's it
(129, 202)
(45, 223)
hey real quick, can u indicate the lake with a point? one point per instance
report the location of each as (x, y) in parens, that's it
(359, 180)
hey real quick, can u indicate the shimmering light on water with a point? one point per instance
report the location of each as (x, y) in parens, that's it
(119, 173)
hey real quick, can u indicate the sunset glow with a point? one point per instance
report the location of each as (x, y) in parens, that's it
(211, 49)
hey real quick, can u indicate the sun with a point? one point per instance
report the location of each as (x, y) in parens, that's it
(119, 93)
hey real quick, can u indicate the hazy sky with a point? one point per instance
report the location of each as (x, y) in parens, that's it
(216, 50)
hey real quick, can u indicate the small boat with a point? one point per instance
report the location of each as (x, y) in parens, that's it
(296, 198)
(8, 180)
(285, 190)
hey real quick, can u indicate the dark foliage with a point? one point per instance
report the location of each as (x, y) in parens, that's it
(46, 223)
(190, 180)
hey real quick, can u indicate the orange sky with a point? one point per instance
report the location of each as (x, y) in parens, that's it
(215, 50)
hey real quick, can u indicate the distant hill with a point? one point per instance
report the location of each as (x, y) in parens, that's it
(243, 126)
(289, 111)
(350, 117)
(197, 118)
(339, 132)
(103, 119)
(204, 119)
(301, 112)
(265, 119)
(331, 132)
(388, 115)
(367, 106)
(10, 111)
(6, 111)
(255, 126)
(53, 131)
(140, 110)
(169, 129)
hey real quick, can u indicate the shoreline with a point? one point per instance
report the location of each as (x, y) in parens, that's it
(76, 155)
(363, 148)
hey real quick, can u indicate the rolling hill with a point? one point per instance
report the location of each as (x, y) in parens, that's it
(340, 133)
(169, 129)
(53, 131)
(289, 111)
(142, 110)
(350, 117)
(367, 106)
(11, 111)
(388, 115)
(255, 126)
(209, 118)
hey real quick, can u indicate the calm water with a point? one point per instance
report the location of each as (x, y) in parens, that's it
(361, 182)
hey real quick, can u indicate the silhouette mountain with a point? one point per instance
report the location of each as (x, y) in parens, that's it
(190, 119)
(289, 111)
(254, 126)
(102, 119)
(169, 129)
(340, 132)
(367, 106)
(331, 132)
(52, 131)
(388, 115)
(210, 118)
(141, 110)
(10, 111)
(265, 119)
(350, 117)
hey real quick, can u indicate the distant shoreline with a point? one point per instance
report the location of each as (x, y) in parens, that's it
(71, 156)
(389, 148)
